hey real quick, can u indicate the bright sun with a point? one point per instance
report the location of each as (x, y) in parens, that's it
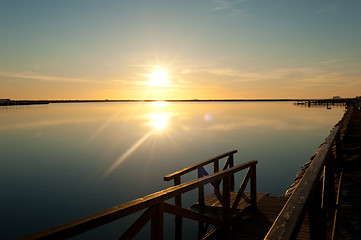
(158, 78)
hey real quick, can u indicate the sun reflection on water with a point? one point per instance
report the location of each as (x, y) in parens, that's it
(160, 103)
(159, 120)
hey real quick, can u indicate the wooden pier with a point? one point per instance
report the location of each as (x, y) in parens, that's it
(328, 103)
(323, 204)
(330, 188)
(8, 102)
(348, 222)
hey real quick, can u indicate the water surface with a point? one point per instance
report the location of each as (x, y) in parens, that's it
(60, 162)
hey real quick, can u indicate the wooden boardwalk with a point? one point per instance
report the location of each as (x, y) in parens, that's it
(348, 222)
(257, 226)
(250, 226)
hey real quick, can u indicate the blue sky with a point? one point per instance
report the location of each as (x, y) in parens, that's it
(209, 49)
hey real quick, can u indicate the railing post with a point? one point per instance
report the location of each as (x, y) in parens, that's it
(201, 203)
(216, 169)
(253, 187)
(216, 166)
(316, 222)
(157, 227)
(330, 194)
(178, 219)
(338, 148)
(227, 217)
(200, 190)
(231, 164)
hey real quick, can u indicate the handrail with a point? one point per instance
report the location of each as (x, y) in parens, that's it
(201, 171)
(176, 176)
(156, 207)
(194, 167)
(305, 196)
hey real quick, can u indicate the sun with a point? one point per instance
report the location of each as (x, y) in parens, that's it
(158, 78)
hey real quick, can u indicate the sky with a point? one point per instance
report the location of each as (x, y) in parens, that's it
(204, 49)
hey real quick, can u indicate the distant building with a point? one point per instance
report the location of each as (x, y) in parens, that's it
(4, 100)
(337, 97)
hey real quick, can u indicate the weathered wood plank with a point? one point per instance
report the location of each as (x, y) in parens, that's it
(169, 208)
(138, 224)
(241, 189)
(258, 225)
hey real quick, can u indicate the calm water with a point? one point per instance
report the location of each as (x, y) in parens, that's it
(60, 162)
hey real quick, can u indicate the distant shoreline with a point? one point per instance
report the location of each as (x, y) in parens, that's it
(8, 102)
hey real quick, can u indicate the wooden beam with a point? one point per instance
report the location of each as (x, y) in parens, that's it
(172, 209)
(194, 167)
(241, 189)
(138, 224)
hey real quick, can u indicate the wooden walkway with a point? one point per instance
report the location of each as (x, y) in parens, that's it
(258, 225)
(348, 223)
(250, 227)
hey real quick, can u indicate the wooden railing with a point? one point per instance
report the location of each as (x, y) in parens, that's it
(155, 206)
(229, 163)
(176, 176)
(315, 195)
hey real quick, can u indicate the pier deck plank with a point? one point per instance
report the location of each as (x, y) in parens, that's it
(257, 226)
